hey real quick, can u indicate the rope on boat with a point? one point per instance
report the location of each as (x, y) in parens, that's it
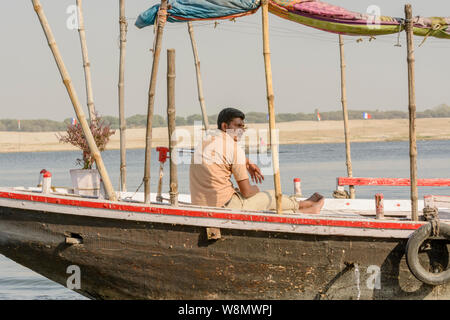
(431, 214)
(341, 194)
(132, 196)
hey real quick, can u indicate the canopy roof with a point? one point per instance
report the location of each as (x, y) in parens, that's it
(190, 10)
(312, 13)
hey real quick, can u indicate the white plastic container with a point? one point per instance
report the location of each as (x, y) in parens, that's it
(298, 187)
(85, 182)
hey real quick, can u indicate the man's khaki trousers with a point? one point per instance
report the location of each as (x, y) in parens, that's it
(262, 201)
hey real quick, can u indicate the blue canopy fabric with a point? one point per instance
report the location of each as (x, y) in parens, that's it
(185, 10)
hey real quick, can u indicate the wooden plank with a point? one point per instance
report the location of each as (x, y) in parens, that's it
(301, 224)
(396, 214)
(437, 201)
(346, 181)
(213, 233)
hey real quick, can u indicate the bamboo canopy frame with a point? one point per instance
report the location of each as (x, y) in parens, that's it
(121, 87)
(74, 99)
(162, 17)
(171, 126)
(86, 62)
(345, 115)
(412, 111)
(199, 77)
(270, 105)
(161, 20)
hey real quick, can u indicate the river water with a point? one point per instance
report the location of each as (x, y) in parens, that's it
(317, 165)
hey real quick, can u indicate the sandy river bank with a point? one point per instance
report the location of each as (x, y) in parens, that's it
(299, 132)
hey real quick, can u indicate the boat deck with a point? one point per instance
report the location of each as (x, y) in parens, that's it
(397, 210)
(339, 217)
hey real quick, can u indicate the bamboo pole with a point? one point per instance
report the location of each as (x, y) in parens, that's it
(270, 104)
(172, 126)
(74, 99)
(412, 112)
(345, 114)
(199, 77)
(162, 16)
(121, 87)
(86, 62)
(160, 182)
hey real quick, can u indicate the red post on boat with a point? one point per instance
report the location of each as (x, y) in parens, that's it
(379, 205)
(47, 182)
(162, 159)
(162, 153)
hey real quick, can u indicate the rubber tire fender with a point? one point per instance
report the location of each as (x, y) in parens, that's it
(412, 255)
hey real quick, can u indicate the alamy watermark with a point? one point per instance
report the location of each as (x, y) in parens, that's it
(374, 20)
(231, 149)
(74, 280)
(72, 22)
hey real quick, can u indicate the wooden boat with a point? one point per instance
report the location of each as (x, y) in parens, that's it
(128, 250)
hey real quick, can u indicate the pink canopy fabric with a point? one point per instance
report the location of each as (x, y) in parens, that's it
(332, 18)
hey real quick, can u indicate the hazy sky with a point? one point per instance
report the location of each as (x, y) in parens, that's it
(305, 62)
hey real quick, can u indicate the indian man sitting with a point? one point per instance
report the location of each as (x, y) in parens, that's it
(219, 156)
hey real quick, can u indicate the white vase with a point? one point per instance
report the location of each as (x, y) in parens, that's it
(86, 182)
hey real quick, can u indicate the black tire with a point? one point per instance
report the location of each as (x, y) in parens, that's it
(412, 255)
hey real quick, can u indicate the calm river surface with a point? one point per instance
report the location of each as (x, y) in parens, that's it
(317, 165)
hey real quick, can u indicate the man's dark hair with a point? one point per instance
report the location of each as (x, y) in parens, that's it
(227, 115)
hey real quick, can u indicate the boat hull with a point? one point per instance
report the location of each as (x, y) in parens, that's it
(127, 259)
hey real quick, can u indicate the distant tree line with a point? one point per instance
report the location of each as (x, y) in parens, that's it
(32, 125)
(140, 121)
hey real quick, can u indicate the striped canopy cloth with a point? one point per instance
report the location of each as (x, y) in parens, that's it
(331, 18)
(312, 13)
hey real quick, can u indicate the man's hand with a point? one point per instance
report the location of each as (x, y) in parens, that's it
(255, 172)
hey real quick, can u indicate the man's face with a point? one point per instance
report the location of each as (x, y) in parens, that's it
(235, 129)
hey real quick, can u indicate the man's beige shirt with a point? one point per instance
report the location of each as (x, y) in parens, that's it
(215, 159)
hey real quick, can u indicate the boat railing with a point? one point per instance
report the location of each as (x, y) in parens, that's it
(341, 182)
(430, 201)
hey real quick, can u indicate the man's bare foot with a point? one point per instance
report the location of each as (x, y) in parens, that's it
(315, 197)
(311, 205)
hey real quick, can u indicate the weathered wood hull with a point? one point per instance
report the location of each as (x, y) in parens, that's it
(129, 259)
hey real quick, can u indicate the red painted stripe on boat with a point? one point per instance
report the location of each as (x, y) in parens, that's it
(346, 181)
(369, 224)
